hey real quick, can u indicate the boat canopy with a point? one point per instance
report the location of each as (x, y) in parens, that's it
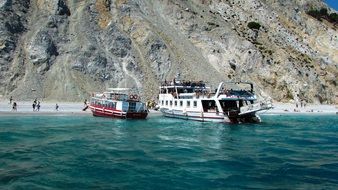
(118, 89)
(238, 85)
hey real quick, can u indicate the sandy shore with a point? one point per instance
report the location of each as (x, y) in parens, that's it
(75, 108)
(288, 108)
(47, 108)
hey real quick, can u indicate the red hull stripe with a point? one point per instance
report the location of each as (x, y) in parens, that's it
(121, 115)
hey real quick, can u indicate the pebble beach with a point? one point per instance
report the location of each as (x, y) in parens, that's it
(48, 108)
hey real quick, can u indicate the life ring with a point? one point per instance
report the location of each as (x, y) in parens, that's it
(133, 97)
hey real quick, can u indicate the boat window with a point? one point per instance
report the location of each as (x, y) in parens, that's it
(171, 90)
(241, 104)
(186, 97)
(140, 107)
(195, 104)
(209, 106)
(175, 103)
(111, 105)
(171, 103)
(185, 90)
(228, 105)
(181, 103)
(162, 102)
(124, 97)
(105, 104)
(125, 106)
(188, 104)
(166, 102)
(132, 107)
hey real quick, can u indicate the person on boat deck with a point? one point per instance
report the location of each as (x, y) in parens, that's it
(173, 82)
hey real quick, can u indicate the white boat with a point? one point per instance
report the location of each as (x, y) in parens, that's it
(231, 102)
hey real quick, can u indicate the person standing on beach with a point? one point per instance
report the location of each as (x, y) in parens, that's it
(85, 102)
(56, 107)
(14, 108)
(38, 106)
(10, 100)
(33, 105)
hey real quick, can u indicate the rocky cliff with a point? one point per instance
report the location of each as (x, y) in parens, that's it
(66, 49)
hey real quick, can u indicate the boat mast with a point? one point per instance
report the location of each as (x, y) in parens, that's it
(219, 89)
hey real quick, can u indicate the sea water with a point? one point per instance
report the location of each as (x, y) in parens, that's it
(85, 152)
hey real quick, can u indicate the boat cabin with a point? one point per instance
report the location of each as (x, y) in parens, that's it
(118, 101)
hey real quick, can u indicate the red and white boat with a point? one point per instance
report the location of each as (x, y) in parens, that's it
(118, 103)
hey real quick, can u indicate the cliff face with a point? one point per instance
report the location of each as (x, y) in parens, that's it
(65, 49)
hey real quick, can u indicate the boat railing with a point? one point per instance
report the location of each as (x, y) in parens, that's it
(116, 97)
(240, 93)
(184, 83)
(262, 105)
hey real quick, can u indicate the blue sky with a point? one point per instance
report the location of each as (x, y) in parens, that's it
(332, 3)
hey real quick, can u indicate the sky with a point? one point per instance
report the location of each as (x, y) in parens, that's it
(332, 3)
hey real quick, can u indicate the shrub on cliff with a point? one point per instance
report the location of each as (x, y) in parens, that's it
(314, 13)
(333, 17)
(323, 14)
(254, 25)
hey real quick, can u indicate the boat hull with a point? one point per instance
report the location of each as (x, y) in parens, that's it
(119, 114)
(209, 116)
(196, 116)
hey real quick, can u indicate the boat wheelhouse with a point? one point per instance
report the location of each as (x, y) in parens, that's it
(118, 103)
(232, 102)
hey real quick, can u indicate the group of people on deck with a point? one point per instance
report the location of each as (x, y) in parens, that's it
(184, 83)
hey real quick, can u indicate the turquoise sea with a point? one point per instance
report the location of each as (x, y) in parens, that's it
(85, 152)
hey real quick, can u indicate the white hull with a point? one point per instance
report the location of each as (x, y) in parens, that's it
(196, 116)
